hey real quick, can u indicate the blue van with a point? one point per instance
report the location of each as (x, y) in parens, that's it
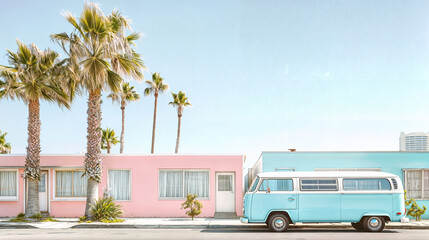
(365, 199)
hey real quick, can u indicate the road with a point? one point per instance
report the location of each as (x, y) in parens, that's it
(230, 234)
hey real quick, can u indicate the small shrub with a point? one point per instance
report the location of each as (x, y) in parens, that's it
(19, 218)
(49, 219)
(37, 216)
(113, 220)
(106, 209)
(82, 219)
(414, 211)
(193, 205)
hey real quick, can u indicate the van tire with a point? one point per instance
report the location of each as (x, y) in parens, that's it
(358, 226)
(278, 223)
(374, 224)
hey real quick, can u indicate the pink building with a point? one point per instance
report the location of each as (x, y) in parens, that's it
(145, 186)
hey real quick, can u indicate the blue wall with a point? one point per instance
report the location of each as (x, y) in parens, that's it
(391, 162)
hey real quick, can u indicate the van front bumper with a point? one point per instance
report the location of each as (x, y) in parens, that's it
(244, 220)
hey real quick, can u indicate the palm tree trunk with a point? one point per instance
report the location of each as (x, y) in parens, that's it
(108, 147)
(178, 134)
(32, 161)
(154, 124)
(123, 127)
(92, 158)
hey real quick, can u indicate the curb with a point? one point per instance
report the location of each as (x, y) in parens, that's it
(16, 226)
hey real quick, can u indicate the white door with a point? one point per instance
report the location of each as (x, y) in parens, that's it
(225, 192)
(43, 192)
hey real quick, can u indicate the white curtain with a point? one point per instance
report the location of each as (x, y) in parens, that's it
(79, 184)
(171, 184)
(64, 183)
(414, 183)
(280, 185)
(366, 184)
(197, 182)
(8, 183)
(119, 184)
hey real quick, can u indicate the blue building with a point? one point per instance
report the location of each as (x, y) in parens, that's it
(411, 167)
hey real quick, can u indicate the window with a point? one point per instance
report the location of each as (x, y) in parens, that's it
(366, 184)
(417, 183)
(224, 183)
(119, 184)
(8, 184)
(42, 181)
(319, 185)
(276, 185)
(179, 183)
(255, 183)
(70, 184)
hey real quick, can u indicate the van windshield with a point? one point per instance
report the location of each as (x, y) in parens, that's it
(255, 183)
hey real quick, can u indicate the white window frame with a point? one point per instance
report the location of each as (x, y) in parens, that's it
(368, 190)
(11, 198)
(320, 190)
(183, 170)
(292, 169)
(54, 183)
(404, 173)
(347, 169)
(276, 178)
(131, 183)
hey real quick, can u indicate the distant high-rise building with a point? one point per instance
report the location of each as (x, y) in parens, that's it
(416, 141)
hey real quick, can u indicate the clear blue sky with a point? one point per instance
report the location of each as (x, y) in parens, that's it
(262, 75)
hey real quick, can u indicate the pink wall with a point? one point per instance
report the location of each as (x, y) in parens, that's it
(144, 195)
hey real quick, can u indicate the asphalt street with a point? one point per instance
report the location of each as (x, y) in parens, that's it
(298, 234)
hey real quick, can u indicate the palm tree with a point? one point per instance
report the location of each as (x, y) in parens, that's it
(155, 87)
(126, 94)
(108, 139)
(33, 76)
(99, 56)
(5, 147)
(180, 101)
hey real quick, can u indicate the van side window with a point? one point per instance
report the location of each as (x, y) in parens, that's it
(366, 184)
(319, 185)
(277, 185)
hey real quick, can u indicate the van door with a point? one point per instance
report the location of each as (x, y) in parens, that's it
(319, 200)
(273, 195)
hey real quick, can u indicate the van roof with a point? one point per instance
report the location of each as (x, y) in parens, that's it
(359, 174)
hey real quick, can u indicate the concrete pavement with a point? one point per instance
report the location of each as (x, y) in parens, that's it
(186, 223)
(210, 234)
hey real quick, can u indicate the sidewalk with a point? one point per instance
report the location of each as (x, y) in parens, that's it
(186, 223)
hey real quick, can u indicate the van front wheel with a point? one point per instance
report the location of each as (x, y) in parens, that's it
(278, 223)
(373, 224)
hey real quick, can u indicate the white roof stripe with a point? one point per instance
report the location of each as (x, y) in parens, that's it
(325, 174)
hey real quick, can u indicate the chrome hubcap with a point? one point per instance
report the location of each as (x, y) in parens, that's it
(373, 222)
(279, 223)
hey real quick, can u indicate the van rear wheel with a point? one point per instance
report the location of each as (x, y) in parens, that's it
(278, 223)
(374, 224)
